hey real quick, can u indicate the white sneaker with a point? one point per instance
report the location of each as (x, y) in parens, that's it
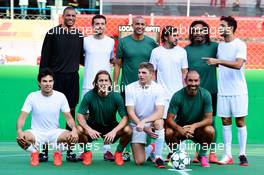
(226, 160)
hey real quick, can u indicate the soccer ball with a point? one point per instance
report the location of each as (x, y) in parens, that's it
(180, 159)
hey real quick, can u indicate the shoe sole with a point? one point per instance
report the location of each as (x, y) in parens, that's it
(229, 163)
(243, 164)
(161, 167)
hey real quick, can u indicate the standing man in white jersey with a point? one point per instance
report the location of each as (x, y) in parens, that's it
(170, 64)
(45, 105)
(232, 88)
(145, 108)
(99, 51)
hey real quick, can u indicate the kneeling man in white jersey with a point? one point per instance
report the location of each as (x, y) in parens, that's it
(145, 108)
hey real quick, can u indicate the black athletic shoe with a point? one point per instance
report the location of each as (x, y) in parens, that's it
(159, 163)
(243, 160)
(168, 157)
(126, 156)
(71, 157)
(43, 157)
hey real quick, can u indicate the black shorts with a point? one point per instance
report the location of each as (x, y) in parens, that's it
(214, 102)
(68, 84)
(102, 129)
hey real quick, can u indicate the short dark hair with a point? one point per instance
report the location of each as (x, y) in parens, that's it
(231, 22)
(68, 8)
(204, 24)
(191, 72)
(146, 65)
(98, 17)
(97, 77)
(44, 72)
(167, 31)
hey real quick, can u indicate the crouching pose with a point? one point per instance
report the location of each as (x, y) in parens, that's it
(45, 106)
(97, 118)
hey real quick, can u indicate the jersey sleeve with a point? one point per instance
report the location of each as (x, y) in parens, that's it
(242, 51)
(207, 102)
(154, 59)
(84, 107)
(119, 50)
(174, 104)
(120, 106)
(130, 100)
(64, 105)
(27, 107)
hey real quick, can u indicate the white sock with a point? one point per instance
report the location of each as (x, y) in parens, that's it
(242, 139)
(227, 134)
(148, 151)
(32, 149)
(106, 148)
(159, 143)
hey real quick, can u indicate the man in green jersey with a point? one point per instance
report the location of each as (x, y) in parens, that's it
(102, 104)
(190, 116)
(131, 51)
(200, 48)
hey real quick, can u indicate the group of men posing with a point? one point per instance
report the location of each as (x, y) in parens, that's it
(168, 93)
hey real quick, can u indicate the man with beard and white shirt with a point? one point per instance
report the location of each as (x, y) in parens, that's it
(170, 64)
(99, 51)
(232, 88)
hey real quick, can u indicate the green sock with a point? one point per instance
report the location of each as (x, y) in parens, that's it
(212, 146)
(202, 151)
(87, 148)
(119, 148)
(128, 148)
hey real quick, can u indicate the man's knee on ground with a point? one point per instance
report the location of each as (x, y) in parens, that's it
(139, 161)
(158, 124)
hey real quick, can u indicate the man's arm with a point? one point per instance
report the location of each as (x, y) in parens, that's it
(70, 121)
(207, 120)
(87, 129)
(172, 124)
(230, 64)
(184, 73)
(132, 115)
(21, 121)
(73, 137)
(117, 67)
(46, 52)
(156, 115)
(21, 140)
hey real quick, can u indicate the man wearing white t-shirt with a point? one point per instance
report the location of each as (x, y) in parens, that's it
(45, 105)
(232, 88)
(145, 107)
(99, 51)
(170, 63)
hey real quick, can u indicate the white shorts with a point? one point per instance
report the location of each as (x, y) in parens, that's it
(49, 137)
(139, 137)
(232, 106)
